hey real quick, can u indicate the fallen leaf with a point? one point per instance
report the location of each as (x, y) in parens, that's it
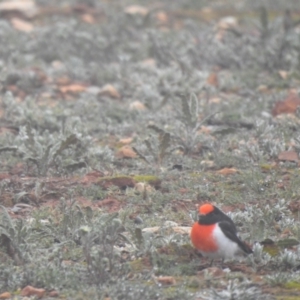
(262, 88)
(73, 88)
(286, 233)
(126, 152)
(287, 106)
(136, 10)
(27, 8)
(228, 22)
(92, 177)
(151, 229)
(294, 206)
(88, 18)
(21, 25)
(214, 100)
(162, 17)
(53, 294)
(110, 91)
(213, 79)
(224, 24)
(205, 130)
(5, 295)
(288, 156)
(182, 229)
(137, 105)
(166, 280)
(207, 13)
(149, 62)
(126, 141)
(111, 205)
(283, 74)
(32, 291)
(227, 171)
(177, 229)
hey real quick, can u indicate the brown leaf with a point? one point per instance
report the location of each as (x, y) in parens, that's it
(88, 18)
(177, 229)
(283, 74)
(162, 17)
(21, 25)
(225, 24)
(213, 79)
(53, 294)
(205, 130)
(91, 177)
(149, 63)
(228, 22)
(288, 156)
(287, 106)
(294, 206)
(27, 8)
(126, 152)
(32, 291)
(110, 204)
(182, 229)
(227, 171)
(110, 91)
(166, 280)
(61, 80)
(5, 295)
(74, 88)
(137, 105)
(126, 141)
(136, 10)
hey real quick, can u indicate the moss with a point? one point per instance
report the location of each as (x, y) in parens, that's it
(267, 167)
(107, 178)
(151, 179)
(272, 250)
(292, 285)
(285, 297)
(287, 243)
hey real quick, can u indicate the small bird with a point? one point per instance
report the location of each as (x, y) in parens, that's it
(215, 234)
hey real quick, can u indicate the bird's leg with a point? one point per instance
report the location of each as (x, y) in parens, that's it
(211, 262)
(222, 262)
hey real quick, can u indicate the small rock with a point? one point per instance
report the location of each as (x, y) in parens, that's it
(138, 220)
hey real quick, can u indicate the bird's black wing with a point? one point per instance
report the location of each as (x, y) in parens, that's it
(230, 232)
(216, 216)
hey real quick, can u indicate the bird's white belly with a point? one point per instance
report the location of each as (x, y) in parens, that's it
(226, 247)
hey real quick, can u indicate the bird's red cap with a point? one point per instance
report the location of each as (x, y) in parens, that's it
(206, 209)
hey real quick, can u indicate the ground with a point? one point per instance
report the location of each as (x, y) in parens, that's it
(119, 118)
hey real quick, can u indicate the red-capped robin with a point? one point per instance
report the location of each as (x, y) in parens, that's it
(215, 234)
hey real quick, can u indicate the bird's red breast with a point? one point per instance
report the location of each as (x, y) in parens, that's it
(202, 237)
